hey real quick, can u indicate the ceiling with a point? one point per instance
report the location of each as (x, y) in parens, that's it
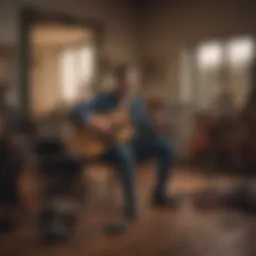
(142, 3)
(51, 35)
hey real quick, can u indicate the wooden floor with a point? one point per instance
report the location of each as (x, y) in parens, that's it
(185, 231)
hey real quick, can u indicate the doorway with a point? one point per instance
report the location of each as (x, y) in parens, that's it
(59, 61)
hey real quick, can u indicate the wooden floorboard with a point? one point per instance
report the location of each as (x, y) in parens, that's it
(185, 231)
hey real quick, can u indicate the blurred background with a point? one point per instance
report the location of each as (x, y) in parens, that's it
(196, 57)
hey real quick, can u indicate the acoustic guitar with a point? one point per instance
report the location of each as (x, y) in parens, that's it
(91, 144)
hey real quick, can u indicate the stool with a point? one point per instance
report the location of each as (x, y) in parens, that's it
(102, 182)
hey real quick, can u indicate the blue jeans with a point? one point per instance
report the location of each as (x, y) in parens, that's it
(124, 158)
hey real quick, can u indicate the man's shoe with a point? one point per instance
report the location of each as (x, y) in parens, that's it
(120, 226)
(165, 201)
(117, 227)
(130, 214)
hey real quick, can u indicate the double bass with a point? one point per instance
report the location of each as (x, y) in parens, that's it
(201, 139)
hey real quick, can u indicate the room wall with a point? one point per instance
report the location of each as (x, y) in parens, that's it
(171, 27)
(119, 41)
(158, 35)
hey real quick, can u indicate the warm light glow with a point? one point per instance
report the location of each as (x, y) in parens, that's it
(68, 75)
(209, 55)
(76, 71)
(86, 67)
(240, 51)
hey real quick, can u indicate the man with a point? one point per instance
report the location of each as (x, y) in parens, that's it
(147, 143)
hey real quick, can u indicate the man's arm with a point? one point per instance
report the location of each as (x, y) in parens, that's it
(81, 113)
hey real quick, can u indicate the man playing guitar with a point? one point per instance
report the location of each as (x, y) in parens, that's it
(146, 144)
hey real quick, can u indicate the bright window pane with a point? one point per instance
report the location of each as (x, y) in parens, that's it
(68, 77)
(209, 55)
(86, 67)
(240, 56)
(240, 51)
(209, 62)
(76, 73)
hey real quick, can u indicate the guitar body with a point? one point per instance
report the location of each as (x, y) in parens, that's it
(92, 145)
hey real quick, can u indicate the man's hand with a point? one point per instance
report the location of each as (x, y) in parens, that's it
(102, 127)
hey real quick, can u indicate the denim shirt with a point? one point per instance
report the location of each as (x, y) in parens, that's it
(108, 102)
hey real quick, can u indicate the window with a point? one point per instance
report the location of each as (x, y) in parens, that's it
(76, 73)
(216, 67)
(209, 59)
(186, 85)
(240, 57)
